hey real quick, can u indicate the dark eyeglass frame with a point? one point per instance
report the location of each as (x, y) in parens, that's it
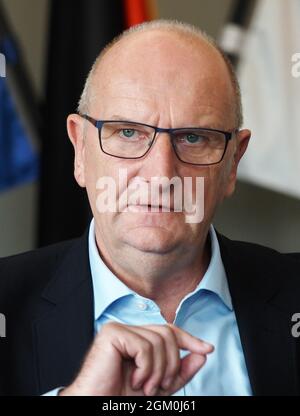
(99, 123)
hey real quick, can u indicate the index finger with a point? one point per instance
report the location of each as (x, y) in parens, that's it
(186, 341)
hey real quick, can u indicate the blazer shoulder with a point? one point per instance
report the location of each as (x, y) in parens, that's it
(259, 264)
(30, 271)
(248, 248)
(32, 257)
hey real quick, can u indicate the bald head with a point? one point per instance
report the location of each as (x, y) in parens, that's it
(174, 45)
(165, 75)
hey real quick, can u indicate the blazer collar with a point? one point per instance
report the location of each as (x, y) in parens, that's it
(65, 329)
(255, 278)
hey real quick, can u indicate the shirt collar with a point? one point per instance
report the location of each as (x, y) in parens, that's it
(215, 279)
(111, 288)
(105, 282)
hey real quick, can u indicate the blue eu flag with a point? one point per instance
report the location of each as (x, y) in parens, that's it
(18, 158)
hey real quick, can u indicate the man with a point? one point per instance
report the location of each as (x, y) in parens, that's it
(148, 302)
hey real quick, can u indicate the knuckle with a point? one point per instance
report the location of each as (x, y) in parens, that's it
(107, 331)
(168, 331)
(146, 347)
(168, 335)
(157, 340)
(108, 327)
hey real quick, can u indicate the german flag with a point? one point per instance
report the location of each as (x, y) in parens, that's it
(138, 11)
(78, 32)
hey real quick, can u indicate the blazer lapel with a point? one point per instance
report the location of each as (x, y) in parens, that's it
(65, 327)
(65, 330)
(263, 322)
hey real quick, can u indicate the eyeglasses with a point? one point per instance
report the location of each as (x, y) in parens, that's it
(132, 140)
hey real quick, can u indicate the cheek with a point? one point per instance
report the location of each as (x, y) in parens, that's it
(104, 171)
(93, 166)
(215, 180)
(96, 167)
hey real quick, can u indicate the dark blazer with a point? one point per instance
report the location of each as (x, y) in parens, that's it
(47, 298)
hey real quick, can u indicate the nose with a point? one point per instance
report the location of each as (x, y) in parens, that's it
(161, 159)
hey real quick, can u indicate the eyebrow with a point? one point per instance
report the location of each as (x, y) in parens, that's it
(118, 117)
(214, 126)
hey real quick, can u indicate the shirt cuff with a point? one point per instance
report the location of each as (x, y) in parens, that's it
(53, 392)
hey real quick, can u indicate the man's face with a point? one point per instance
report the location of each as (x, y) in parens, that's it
(162, 80)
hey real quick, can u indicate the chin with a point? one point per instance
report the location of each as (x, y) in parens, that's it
(151, 240)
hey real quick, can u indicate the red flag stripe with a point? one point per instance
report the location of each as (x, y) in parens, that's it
(137, 11)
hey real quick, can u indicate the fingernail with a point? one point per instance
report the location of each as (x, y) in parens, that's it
(208, 345)
(137, 385)
(166, 383)
(152, 391)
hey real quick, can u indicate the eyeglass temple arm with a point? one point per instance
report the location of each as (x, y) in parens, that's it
(90, 119)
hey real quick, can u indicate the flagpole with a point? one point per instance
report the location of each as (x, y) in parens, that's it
(232, 36)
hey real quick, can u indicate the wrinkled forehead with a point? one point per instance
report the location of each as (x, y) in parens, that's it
(164, 67)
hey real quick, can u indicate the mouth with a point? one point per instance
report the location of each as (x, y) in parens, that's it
(149, 208)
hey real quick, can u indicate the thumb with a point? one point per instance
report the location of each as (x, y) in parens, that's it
(190, 365)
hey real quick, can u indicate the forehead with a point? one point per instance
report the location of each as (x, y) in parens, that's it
(159, 69)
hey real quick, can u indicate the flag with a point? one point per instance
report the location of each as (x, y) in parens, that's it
(271, 96)
(139, 11)
(78, 32)
(18, 157)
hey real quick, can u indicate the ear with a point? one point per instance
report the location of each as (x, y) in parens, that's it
(75, 124)
(242, 139)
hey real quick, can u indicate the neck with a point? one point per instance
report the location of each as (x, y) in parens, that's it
(164, 279)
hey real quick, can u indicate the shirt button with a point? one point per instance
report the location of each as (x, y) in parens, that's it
(141, 306)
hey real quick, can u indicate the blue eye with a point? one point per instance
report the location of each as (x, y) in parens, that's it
(193, 138)
(128, 132)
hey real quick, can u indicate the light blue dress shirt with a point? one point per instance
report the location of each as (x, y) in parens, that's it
(206, 313)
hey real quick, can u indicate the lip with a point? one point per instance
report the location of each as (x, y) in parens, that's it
(149, 208)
